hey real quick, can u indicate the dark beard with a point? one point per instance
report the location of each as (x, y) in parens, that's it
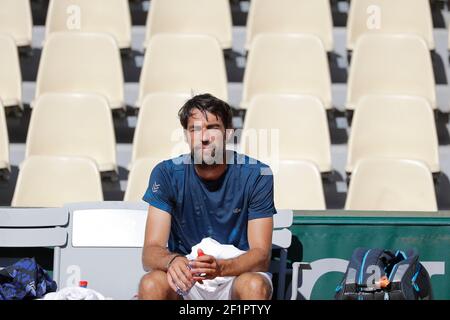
(198, 159)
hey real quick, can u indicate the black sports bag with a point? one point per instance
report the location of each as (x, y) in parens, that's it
(378, 274)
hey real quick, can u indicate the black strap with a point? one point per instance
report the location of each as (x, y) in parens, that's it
(171, 260)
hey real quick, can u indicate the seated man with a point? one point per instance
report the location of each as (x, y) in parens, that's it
(210, 193)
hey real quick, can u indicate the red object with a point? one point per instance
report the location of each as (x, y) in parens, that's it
(199, 254)
(384, 282)
(83, 284)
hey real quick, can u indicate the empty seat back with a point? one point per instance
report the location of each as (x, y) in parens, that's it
(187, 64)
(290, 16)
(54, 181)
(394, 127)
(391, 65)
(391, 185)
(191, 16)
(389, 17)
(287, 127)
(73, 125)
(10, 76)
(91, 16)
(81, 63)
(16, 20)
(287, 64)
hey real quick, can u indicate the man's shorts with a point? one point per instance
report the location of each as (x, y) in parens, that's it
(222, 292)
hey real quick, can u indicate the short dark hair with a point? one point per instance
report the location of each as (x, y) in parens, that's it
(206, 103)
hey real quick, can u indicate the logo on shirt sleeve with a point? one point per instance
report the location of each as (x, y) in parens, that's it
(155, 187)
(237, 210)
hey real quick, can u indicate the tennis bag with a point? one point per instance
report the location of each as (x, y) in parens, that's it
(378, 274)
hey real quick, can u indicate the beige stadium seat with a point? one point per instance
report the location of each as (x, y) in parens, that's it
(4, 142)
(191, 16)
(394, 127)
(287, 64)
(287, 127)
(16, 20)
(290, 16)
(138, 178)
(297, 185)
(81, 63)
(187, 64)
(91, 16)
(10, 76)
(391, 185)
(54, 181)
(448, 41)
(390, 65)
(159, 133)
(389, 17)
(73, 125)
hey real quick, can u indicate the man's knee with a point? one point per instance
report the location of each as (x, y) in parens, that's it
(259, 283)
(252, 285)
(154, 285)
(151, 281)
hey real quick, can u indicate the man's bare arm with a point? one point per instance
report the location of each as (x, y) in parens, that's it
(155, 255)
(256, 259)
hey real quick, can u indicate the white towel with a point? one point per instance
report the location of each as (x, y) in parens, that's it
(74, 293)
(220, 251)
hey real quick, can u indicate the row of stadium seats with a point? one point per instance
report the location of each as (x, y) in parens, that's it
(376, 184)
(214, 18)
(389, 126)
(90, 62)
(287, 76)
(277, 64)
(297, 64)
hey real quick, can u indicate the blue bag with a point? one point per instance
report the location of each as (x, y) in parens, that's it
(379, 274)
(25, 279)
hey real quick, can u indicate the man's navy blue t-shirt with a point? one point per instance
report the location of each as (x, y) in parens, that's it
(218, 209)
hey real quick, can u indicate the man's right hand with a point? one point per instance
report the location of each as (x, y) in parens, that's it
(179, 275)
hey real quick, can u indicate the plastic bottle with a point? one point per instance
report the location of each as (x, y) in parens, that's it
(180, 291)
(185, 293)
(199, 254)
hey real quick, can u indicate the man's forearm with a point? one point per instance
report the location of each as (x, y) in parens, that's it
(156, 258)
(254, 260)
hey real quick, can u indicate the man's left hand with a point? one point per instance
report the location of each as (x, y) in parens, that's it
(205, 267)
